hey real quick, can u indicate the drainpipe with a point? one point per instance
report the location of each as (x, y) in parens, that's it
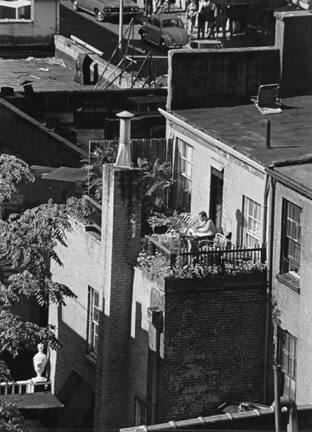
(265, 210)
(269, 284)
(292, 414)
(263, 245)
(277, 402)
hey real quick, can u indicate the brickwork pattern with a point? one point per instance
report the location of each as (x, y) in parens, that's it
(82, 267)
(205, 77)
(214, 345)
(121, 222)
(296, 308)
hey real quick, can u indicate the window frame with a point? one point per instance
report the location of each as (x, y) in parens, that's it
(140, 412)
(20, 20)
(286, 238)
(288, 358)
(93, 323)
(251, 239)
(185, 177)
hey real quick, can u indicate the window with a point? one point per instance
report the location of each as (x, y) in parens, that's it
(185, 163)
(291, 239)
(139, 412)
(252, 226)
(93, 319)
(17, 10)
(288, 362)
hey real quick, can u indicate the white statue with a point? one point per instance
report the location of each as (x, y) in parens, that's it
(40, 361)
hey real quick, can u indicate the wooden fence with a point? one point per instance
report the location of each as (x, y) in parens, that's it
(150, 149)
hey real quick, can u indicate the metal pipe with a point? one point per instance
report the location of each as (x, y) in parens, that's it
(86, 45)
(269, 188)
(268, 133)
(123, 159)
(277, 402)
(120, 34)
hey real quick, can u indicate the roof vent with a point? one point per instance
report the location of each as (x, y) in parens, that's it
(267, 100)
(123, 159)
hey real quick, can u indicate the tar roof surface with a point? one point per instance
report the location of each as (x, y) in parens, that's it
(244, 128)
(45, 74)
(299, 174)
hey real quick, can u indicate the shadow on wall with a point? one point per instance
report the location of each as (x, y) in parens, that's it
(240, 225)
(74, 379)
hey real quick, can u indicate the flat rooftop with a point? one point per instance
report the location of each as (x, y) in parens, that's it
(244, 129)
(45, 74)
(300, 175)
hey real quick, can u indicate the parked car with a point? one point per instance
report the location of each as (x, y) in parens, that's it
(103, 9)
(164, 30)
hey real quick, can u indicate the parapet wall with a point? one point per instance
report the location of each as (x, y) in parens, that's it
(216, 77)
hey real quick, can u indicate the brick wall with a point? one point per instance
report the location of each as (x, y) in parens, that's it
(82, 260)
(214, 345)
(142, 349)
(295, 308)
(121, 224)
(211, 346)
(199, 78)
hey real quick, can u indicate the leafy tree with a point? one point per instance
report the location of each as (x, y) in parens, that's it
(27, 246)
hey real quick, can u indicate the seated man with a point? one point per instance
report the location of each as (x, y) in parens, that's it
(204, 229)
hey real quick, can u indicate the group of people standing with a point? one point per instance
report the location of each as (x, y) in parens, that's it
(201, 15)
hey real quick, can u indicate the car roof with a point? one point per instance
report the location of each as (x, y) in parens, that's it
(166, 16)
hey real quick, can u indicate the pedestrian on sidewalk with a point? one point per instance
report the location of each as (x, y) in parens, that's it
(191, 14)
(205, 17)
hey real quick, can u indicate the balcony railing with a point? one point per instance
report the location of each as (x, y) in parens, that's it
(23, 387)
(176, 253)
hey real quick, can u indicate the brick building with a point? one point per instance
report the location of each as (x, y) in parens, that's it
(291, 274)
(133, 342)
(223, 148)
(147, 350)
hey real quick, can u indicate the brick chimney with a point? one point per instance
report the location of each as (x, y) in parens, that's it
(121, 226)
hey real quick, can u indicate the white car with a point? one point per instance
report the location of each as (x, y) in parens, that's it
(102, 9)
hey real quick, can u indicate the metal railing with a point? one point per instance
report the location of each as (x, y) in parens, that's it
(23, 387)
(177, 252)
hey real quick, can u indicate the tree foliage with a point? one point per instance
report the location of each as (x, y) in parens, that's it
(157, 178)
(11, 419)
(27, 246)
(12, 172)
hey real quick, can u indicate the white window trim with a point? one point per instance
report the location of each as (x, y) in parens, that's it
(21, 20)
(246, 215)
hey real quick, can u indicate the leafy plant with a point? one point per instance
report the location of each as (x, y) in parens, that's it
(11, 419)
(12, 172)
(27, 245)
(158, 267)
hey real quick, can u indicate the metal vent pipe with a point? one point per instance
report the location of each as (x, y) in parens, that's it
(123, 159)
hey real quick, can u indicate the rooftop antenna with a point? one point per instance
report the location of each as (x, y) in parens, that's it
(123, 159)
